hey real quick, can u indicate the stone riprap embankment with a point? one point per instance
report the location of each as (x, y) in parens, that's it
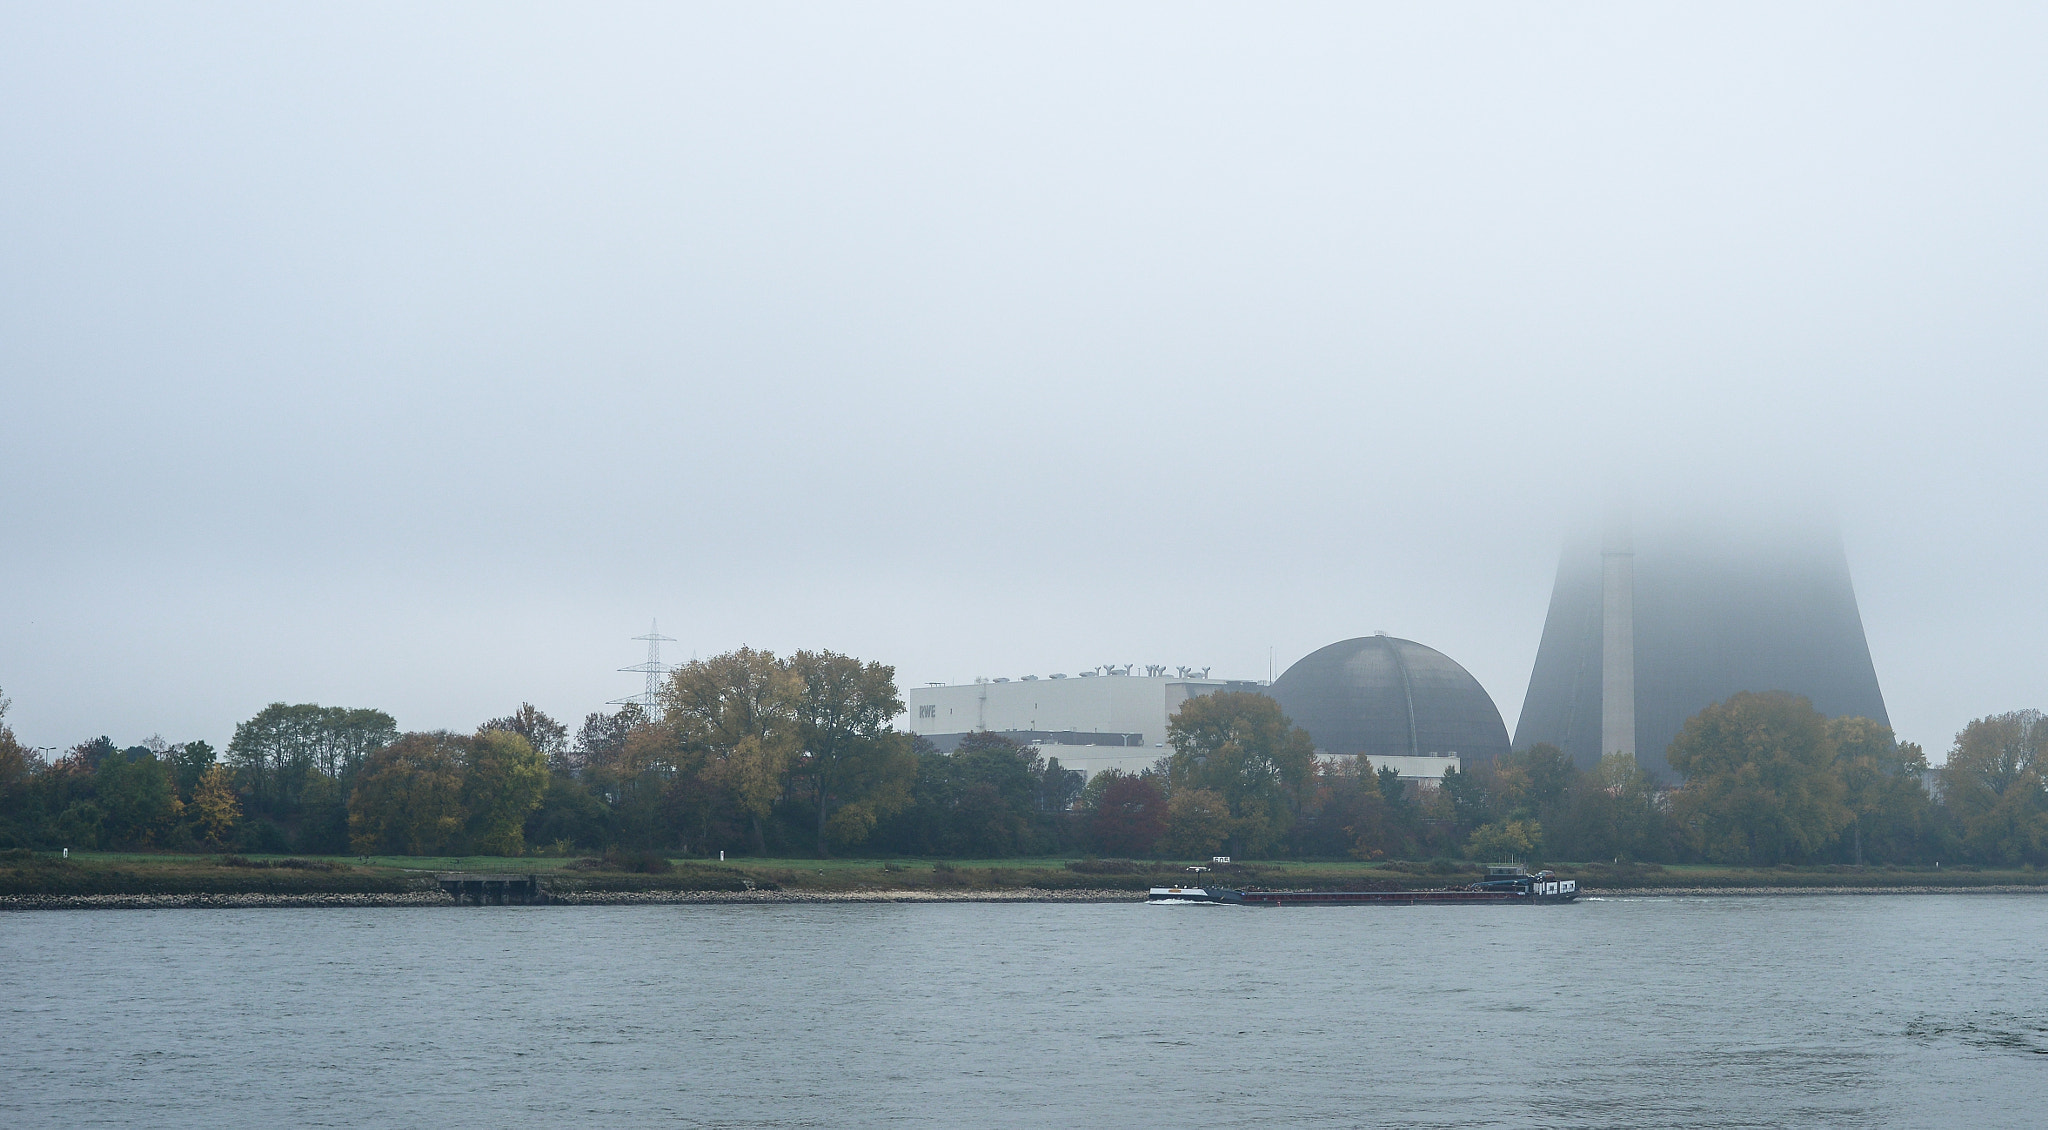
(554, 898)
(1725, 892)
(1019, 894)
(219, 901)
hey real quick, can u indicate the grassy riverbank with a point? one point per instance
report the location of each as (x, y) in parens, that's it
(100, 873)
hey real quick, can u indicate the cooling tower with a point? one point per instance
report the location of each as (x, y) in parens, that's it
(1646, 629)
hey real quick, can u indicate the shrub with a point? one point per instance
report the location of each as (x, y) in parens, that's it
(277, 864)
(638, 862)
(1106, 867)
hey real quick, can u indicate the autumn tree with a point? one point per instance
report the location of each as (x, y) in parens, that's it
(732, 719)
(1198, 821)
(1240, 746)
(1129, 813)
(408, 798)
(1760, 779)
(1993, 785)
(858, 768)
(600, 744)
(17, 763)
(215, 809)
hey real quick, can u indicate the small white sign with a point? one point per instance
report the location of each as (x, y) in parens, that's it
(1219, 859)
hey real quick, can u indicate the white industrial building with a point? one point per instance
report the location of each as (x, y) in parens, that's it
(1107, 718)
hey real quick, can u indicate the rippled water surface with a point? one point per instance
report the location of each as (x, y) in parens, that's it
(1927, 1010)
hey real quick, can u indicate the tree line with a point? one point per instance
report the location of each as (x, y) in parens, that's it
(758, 754)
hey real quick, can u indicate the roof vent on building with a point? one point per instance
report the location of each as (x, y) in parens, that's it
(1002, 680)
(1055, 675)
(1087, 674)
(1030, 678)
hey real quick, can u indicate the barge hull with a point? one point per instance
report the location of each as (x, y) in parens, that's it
(1392, 898)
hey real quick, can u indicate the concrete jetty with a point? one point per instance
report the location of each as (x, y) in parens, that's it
(491, 888)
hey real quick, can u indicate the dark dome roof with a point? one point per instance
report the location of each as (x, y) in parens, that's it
(1378, 695)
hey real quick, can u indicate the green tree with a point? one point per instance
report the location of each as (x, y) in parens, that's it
(348, 735)
(1471, 802)
(1392, 788)
(87, 757)
(189, 765)
(408, 798)
(548, 737)
(983, 799)
(1345, 815)
(1612, 812)
(1993, 785)
(79, 826)
(1549, 773)
(1240, 746)
(503, 781)
(872, 780)
(133, 790)
(322, 816)
(1059, 787)
(991, 796)
(276, 753)
(859, 771)
(1761, 784)
(570, 814)
(1504, 840)
(1881, 785)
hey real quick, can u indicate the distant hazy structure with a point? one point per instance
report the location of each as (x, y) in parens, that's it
(1395, 701)
(655, 670)
(1643, 633)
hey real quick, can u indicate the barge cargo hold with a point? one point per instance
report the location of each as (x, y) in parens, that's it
(1503, 884)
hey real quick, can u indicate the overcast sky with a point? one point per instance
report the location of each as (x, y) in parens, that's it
(417, 356)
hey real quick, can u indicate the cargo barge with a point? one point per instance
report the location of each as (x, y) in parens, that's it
(1504, 883)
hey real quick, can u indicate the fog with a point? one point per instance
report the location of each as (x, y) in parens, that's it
(417, 357)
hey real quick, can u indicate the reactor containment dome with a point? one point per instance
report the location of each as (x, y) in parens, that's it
(1386, 697)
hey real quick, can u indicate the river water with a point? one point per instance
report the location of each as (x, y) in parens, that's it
(1916, 1010)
